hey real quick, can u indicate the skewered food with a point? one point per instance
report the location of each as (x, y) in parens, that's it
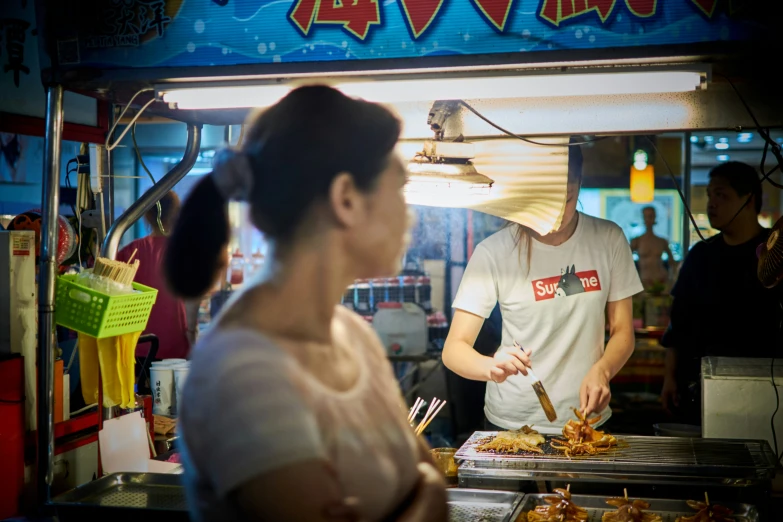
(518, 441)
(582, 439)
(628, 511)
(558, 508)
(706, 512)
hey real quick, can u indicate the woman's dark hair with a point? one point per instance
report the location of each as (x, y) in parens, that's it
(295, 150)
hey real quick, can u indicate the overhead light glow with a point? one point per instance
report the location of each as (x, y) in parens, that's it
(213, 95)
(640, 160)
(694, 139)
(745, 137)
(436, 184)
(723, 157)
(722, 146)
(709, 139)
(642, 184)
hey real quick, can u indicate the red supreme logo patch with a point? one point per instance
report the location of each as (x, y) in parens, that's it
(569, 283)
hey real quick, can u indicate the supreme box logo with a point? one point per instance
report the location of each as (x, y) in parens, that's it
(569, 283)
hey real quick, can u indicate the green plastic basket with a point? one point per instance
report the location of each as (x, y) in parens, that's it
(100, 315)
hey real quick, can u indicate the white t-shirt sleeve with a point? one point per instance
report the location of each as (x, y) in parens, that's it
(259, 420)
(625, 280)
(478, 290)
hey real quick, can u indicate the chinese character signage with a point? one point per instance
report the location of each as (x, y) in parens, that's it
(179, 33)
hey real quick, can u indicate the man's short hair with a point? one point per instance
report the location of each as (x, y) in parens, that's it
(645, 209)
(742, 178)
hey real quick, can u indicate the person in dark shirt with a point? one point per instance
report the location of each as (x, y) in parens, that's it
(720, 308)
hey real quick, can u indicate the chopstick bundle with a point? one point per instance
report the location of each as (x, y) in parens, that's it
(123, 273)
(435, 407)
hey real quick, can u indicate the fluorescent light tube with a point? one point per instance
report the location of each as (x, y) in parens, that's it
(208, 95)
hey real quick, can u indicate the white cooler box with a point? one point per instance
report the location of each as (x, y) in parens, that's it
(738, 399)
(402, 328)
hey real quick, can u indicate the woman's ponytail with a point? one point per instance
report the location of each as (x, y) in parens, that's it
(196, 251)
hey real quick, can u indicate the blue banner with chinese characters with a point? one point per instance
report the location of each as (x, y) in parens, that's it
(183, 33)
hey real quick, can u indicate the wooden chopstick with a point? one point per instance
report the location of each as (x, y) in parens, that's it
(433, 405)
(424, 427)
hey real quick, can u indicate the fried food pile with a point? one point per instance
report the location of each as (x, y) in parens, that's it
(628, 511)
(582, 439)
(558, 508)
(525, 439)
(706, 512)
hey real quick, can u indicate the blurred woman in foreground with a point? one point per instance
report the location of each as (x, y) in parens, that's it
(291, 411)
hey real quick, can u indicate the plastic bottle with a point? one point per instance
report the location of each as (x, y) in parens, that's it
(378, 293)
(256, 263)
(409, 289)
(349, 297)
(424, 293)
(363, 297)
(236, 269)
(393, 290)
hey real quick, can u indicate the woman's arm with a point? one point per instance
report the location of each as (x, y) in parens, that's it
(460, 357)
(594, 393)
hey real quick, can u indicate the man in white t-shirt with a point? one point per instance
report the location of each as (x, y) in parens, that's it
(555, 293)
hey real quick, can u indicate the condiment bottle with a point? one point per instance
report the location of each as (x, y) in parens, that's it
(236, 268)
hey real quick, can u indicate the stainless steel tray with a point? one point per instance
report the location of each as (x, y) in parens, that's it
(126, 496)
(645, 456)
(668, 510)
(478, 505)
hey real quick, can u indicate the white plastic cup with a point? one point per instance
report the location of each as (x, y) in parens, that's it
(162, 384)
(180, 375)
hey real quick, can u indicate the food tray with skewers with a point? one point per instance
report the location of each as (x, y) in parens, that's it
(561, 506)
(583, 449)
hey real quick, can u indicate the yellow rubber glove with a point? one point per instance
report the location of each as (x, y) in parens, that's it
(126, 367)
(88, 368)
(108, 354)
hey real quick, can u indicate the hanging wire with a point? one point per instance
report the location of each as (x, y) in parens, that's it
(111, 146)
(527, 140)
(677, 185)
(144, 166)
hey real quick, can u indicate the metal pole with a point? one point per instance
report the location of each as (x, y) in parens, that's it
(153, 195)
(46, 289)
(686, 190)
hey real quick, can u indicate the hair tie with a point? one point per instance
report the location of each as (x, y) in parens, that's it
(232, 175)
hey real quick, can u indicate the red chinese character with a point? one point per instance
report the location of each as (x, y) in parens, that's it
(356, 16)
(557, 11)
(642, 8)
(303, 13)
(706, 6)
(496, 11)
(420, 14)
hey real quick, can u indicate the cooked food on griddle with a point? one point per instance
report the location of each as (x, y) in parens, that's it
(629, 511)
(558, 508)
(706, 512)
(522, 440)
(582, 439)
